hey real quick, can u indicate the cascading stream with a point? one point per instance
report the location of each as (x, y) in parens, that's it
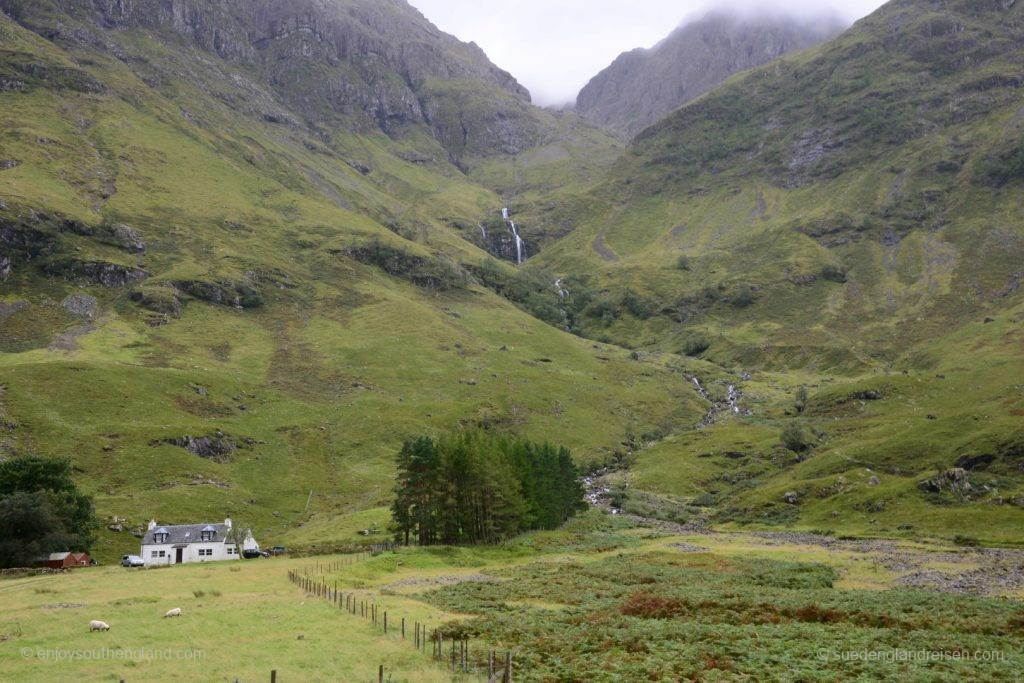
(520, 244)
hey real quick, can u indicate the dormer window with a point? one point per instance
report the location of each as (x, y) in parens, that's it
(208, 533)
(160, 535)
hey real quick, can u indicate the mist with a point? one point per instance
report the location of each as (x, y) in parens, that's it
(554, 48)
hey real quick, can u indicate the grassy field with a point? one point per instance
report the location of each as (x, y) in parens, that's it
(239, 620)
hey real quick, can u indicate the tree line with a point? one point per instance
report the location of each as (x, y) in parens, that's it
(41, 511)
(474, 487)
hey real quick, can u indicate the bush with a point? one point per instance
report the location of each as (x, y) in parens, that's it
(1005, 168)
(683, 262)
(833, 273)
(801, 399)
(429, 273)
(696, 346)
(796, 438)
(743, 298)
(638, 306)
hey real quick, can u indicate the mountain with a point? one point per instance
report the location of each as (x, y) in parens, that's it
(247, 248)
(240, 259)
(847, 219)
(643, 85)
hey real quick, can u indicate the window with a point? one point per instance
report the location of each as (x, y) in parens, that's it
(160, 538)
(153, 554)
(163, 553)
(206, 552)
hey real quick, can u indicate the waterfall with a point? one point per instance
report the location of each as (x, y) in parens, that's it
(483, 230)
(562, 291)
(519, 244)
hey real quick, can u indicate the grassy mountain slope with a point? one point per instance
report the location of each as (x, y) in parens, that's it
(847, 219)
(215, 307)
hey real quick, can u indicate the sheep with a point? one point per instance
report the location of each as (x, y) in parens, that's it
(176, 612)
(97, 625)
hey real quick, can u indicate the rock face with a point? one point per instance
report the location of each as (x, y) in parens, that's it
(217, 446)
(361, 63)
(642, 86)
(81, 305)
(955, 480)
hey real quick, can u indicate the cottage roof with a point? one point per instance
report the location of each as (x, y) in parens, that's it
(187, 533)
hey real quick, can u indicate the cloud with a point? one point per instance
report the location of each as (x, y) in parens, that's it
(554, 47)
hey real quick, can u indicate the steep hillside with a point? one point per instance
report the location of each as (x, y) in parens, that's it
(847, 219)
(643, 85)
(220, 296)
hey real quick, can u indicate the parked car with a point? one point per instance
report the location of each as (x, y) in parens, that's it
(278, 550)
(250, 553)
(132, 561)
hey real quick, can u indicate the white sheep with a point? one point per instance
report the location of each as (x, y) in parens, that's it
(97, 625)
(176, 612)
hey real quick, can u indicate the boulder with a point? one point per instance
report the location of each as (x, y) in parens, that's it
(791, 497)
(81, 305)
(954, 480)
(874, 481)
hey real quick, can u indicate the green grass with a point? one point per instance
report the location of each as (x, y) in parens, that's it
(226, 608)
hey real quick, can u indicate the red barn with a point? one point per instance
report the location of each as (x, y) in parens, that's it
(64, 560)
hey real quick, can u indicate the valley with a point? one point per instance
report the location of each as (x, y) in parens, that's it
(249, 249)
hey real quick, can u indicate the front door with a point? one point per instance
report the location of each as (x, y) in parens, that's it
(177, 555)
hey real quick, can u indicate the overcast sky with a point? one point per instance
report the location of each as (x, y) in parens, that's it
(554, 47)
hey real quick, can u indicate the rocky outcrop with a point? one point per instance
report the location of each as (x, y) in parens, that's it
(96, 272)
(218, 446)
(366, 63)
(224, 294)
(954, 480)
(642, 86)
(81, 305)
(117, 235)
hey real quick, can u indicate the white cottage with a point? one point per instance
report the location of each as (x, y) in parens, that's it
(179, 543)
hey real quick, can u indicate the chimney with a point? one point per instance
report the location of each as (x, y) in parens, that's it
(227, 522)
(152, 525)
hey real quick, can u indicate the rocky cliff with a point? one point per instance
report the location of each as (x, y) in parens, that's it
(358, 63)
(641, 86)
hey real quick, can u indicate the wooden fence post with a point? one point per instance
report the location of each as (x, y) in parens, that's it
(403, 628)
(273, 676)
(380, 674)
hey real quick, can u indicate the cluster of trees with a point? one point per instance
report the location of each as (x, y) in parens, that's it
(474, 487)
(41, 511)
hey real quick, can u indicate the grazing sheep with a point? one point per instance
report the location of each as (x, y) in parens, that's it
(96, 625)
(176, 612)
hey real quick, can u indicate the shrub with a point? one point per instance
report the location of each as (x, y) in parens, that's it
(833, 273)
(429, 273)
(1005, 168)
(801, 399)
(638, 306)
(796, 438)
(743, 297)
(683, 262)
(696, 346)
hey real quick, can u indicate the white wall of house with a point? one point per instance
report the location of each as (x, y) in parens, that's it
(214, 550)
(166, 553)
